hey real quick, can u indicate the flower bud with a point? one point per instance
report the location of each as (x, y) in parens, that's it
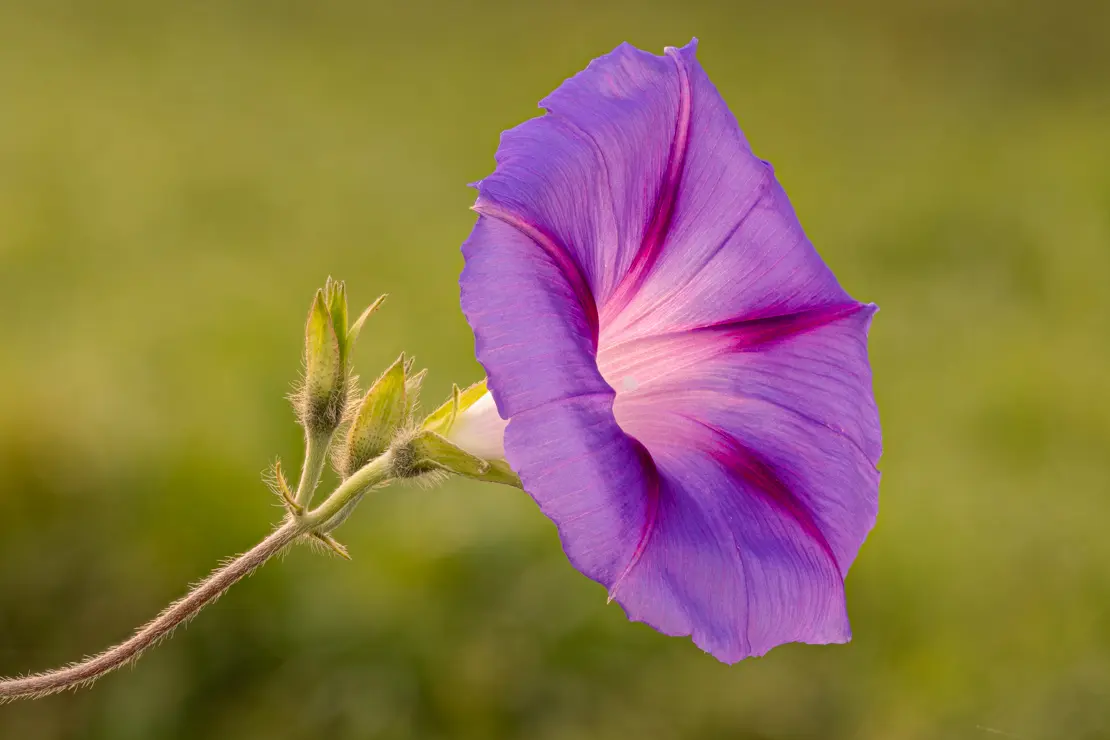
(383, 410)
(335, 293)
(322, 400)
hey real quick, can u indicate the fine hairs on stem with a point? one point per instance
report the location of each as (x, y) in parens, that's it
(84, 673)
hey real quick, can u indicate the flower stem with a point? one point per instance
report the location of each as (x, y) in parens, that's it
(324, 518)
(315, 457)
(84, 673)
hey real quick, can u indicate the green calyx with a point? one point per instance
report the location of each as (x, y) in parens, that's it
(427, 452)
(322, 400)
(435, 451)
(442, 419)
(382, 420)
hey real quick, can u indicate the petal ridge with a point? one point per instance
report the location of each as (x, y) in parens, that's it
(663, 209)
(755, 333)
(599, 153)
(737, 570)
(763, 192)
(751, 468)
(653, 494)
(558, 253)
(724, 400)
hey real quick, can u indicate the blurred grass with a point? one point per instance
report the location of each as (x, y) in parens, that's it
(176, 180)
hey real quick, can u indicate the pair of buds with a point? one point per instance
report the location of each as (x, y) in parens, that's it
(381, 425)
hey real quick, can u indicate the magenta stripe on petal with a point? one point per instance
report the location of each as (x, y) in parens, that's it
(664, 204)
(749, 335)
(556, 252)
(758, 476)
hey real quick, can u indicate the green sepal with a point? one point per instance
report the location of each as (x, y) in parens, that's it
(284, 491)
(430, 449)
(321, 349)
(335, 293)
(356, 328)
(413, 384)
(500, 472)
(443, 418)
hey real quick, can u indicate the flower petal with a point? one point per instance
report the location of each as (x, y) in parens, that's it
(736, 559)
(630, 240)
(740, 537)
(813, 365)
(824, 472)
(514, 291)
(641, 175)
(598, 485)
(734, 248)
(765, 434)
(594, 171)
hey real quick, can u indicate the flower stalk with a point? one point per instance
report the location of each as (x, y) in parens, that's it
(315, 524)
(315, 458)
(388, 445)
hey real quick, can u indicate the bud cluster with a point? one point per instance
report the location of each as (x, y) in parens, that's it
(381, 421)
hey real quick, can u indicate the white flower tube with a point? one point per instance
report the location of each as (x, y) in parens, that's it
(479, 429)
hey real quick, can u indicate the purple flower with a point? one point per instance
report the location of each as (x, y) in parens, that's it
(687, 385)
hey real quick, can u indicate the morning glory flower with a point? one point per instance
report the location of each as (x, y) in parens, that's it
(686, 384)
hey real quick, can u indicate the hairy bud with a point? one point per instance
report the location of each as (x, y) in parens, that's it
(324, 394)
(322, 399)
(382, 411)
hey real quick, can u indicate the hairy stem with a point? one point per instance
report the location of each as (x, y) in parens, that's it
(84, 673)
(315, 457)
(323, 519)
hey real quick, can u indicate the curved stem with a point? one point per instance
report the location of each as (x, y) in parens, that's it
(323, 519)
(86, 672)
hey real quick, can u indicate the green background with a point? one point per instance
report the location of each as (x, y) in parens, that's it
(177, 178)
